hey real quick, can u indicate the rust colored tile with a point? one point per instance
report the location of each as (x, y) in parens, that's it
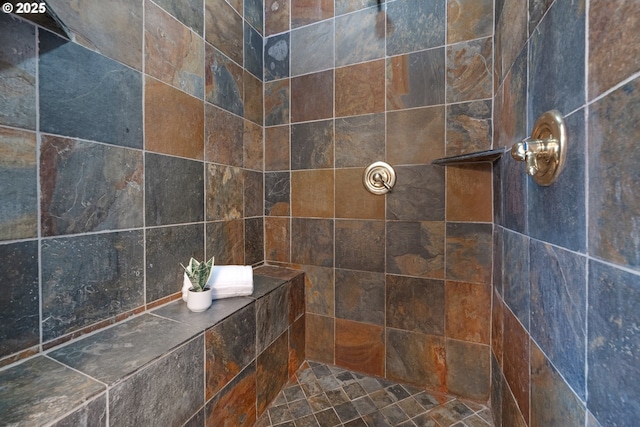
(272, 371)
(297, 343)
(359, 140)
(305, 12)
(319, 290)
(359, 245)
(296, 298)
(235, 405)
(253, 102)
(360, 89)
(224, 136)
(174, 121)
(276, 148)
(276, 102)
(223, 28)
(312, 97)
(469, 193)
(319, 335)
(224, 81)
(468, 369)
(353, 200)
(415, 136)
(497, 327)
(277, 239)
(237, 5)
(360, 346)
(312, 193)
(516, 361)
(225, 241)
(468, 252)
(252, 157)
(468, 312)
(415, 248)
(276, 16)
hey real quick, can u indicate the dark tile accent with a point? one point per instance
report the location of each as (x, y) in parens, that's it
(29, 388)
(224, 28)
(253, 193)
(277, 56)
(235, 405)
(416, 79)
(168, 390)
(469, 19)
(312, 97)
(296, 298)
(89, 187)
(468, 369)
(90, 278)
(20, 326)
(468, 312)
(262, 285)
(614, 344)
(224, 135)
(468, 252)
(19, 191)
(497, 381)
(614, 202)
(317, 38)
(359, 140)
(558, 40)
(359, 346)
(277, 193)
(72, 102)
(514, 194)
(537, 9)
(498, 253)
(254, 240)
(297, 344)
(177, 180)
(115, 353)
(17, 73)
(272, 317)
(224, 192)
(416, 358)
(415, 304)
(277, 14)
(469, 127)
(317, 203)
(416, 25)
(225, 241)
(360, 245)
(312, 145)
(166, 249)
(516, 278)
(253, 50)
(253, 12)
(360, 37)
(93, 413)
(360, 296)
(224, 81)
(272, 372)
(415, 248)
(188, 12)
(420, 196)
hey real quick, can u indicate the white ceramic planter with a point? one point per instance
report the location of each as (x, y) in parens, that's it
(199, 301)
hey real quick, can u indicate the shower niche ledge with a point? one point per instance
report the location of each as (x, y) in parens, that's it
(484, 156)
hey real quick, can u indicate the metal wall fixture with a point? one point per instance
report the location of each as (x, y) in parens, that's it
(546, 150)
(379, 178)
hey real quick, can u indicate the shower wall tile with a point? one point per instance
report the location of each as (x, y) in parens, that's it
(225, 241)
(468, 312)
(552, 401)
(226, 355)
(469, 70)
(498, 264)
(166, 249)
(537, 10)
(276, 102)
(173, 121)
(188, 12)
(415, 136)
(469, 127)
(558, 40)
(319, 290)
(346, 6)
(114, 29)
(253, 241)
(417, 25)
(359, 245)
(614, 202)
(304, 12)
(109, 284)
(224, 28)
(416, 79)
(415, 248)
(71, 98)
(511, 35)
(516, 275)
(360, 346)
(312, 241)
(360, 296)
(416, 358)
(272, 371)
(516, 362)
(312, 193)
(415, 304)
(253, 99)
(19, 189)
(21, 306)
(468, 369)
(510, 105)
(276, 148)
(253, 146)
(224, 135)
(277, 51)
(312, 97)
(421, 198)
(224, 192)
(360, 89)
(511, 414)
(360, 37)
(468, 252)
(277, 14)
(312, 145)
(277, 236)
(173, 53)
(613, 344)
(614, 44)
(352, 198)
(277, 193)
(497, 386)
(237, 5)
(224, 81)
(88, 187)
(320, 338)
(253, 14)
(253, 193)
(469, 19)
(296, 297)
(317, 38)
(235, 405)
(169, 178)
(17, 73)
(497, 328)
(253, 50)
(297, 345)
(514, 194)
(469, 192)
(360, 140)
(93, 413)
(169, 389)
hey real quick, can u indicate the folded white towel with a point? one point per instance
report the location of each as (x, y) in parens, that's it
(226, 281)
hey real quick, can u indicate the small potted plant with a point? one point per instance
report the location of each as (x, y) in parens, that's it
(199, 296)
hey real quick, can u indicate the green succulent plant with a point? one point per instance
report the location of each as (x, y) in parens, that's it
(198, 273)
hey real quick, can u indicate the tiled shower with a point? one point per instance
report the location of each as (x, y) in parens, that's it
(169, 129)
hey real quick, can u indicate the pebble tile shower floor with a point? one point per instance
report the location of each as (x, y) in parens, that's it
(326, 396)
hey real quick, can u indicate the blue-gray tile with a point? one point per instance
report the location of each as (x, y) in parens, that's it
(360, 37)
(614, 345)
(189, 12)
(360, 296)
(90, 278)
(93, 413)
(224, 81)
(515, 275)
(415, 248)
(415, 25)
(513, 194)
(277, 193)
(272, 317)
(419, 195)
(20, 326)
(359, 245)
(253, 13)
(253, 241)
(220, 309)
(86, 95)
(277, 53)
(468, 369)
(17, 73)
(317, 38)
(558, 45)
(253, 49)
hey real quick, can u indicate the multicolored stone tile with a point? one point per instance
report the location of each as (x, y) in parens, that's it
(304, 12)
(236, 403)
(468, 312)
(253, 193)
(253, 241)
(415, 248)
(224, 192)
(510, 105)
(359, 245)
(469, 70)
(516, 367)
(320, 337)
(312, 241)
(312, 145)
(360, 140)
(516, 272)
(468, 369)
(416, 79)
(346, 6)
(253, 98)
(276, 103)
(469, 127)
(511, 32)
(224, 135)
(421, 195)
(277, 235)
(189, 12)
(415, 25)
(319, 290)
(312, 97)
(276, 148)
(415, 136)
(469, 19)
(253, 146)
(312, 194)
(469, 193)
(253, 50)
(360, 296)
(360, 89)
(272, 371)
(225, 241)
(317, 38)
(253, 14)
(415, 304)
(224, 81)
(416, 358)
(276, 56)
(360, 346)
(468, 252)
(277, 193)
(224, 29)
(360, 37)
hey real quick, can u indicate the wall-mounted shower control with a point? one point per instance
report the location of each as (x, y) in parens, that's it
(379, 178)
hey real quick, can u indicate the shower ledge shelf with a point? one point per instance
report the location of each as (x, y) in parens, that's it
(465, 159)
